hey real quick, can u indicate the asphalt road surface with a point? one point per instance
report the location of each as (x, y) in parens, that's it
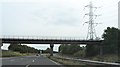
(29, 61)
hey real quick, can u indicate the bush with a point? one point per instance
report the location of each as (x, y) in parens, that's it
(22, 48)
(80, 53)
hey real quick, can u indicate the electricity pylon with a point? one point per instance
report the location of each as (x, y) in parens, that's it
(91, 35)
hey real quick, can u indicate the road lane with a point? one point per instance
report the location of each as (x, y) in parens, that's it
(17, 61)
(28, 61)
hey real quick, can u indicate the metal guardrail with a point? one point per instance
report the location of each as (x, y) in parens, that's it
(91, 61)
(42, 37)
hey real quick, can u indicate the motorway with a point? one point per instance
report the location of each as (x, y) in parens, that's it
(29, 61)
(43, 61)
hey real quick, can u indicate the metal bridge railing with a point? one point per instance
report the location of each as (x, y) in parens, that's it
(42, 37)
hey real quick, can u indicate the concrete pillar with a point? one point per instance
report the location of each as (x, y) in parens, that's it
(51, 49)
(119, 28)
(101, 51)
(1, 44)
(101, 46)
(119, 14)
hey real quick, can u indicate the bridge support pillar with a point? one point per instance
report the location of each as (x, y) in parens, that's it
(51, 49)
(101, 50)
(1, 44)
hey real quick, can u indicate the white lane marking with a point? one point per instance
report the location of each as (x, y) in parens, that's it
(27, 65)
(55, 62)
(52, 61)
(33, 61)
(12, 60)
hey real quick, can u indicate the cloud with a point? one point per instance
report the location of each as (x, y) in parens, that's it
(50, 17)
(53, 17)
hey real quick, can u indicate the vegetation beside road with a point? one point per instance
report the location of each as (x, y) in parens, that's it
(7, 53)
(27, 49)
(15, 50)
(22, 48)
(67, 63)
(105, 58)
(108, 50)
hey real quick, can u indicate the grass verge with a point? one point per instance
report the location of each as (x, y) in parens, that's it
(68, 63)
(6, 53)
(105, 58)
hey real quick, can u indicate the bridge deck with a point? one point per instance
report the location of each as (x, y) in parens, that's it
(49, 41)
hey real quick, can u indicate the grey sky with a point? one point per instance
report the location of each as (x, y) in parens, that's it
(54, 17)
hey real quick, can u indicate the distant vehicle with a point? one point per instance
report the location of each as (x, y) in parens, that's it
(37, 54)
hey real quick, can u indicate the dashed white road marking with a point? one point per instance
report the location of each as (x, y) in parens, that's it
(27, 65)
(33, 61)
(55, 62)
(12, 60)
(52, 60)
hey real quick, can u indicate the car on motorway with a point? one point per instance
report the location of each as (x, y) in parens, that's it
(37, 54)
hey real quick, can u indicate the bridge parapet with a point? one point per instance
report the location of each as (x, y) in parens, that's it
(42, 37)
(47, 40)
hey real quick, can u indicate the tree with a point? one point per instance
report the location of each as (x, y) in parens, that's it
(22, 48)
(111, 39)
(69, 48)
(61, 47)
(92, 50)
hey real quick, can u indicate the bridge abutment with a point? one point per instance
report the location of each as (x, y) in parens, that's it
(51, 49)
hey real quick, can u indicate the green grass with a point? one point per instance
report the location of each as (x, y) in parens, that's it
(71, 63)
(106, 58)
(6, 53)
(67, 63)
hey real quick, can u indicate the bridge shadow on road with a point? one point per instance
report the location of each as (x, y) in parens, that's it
(32, 66)
(58, 66)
